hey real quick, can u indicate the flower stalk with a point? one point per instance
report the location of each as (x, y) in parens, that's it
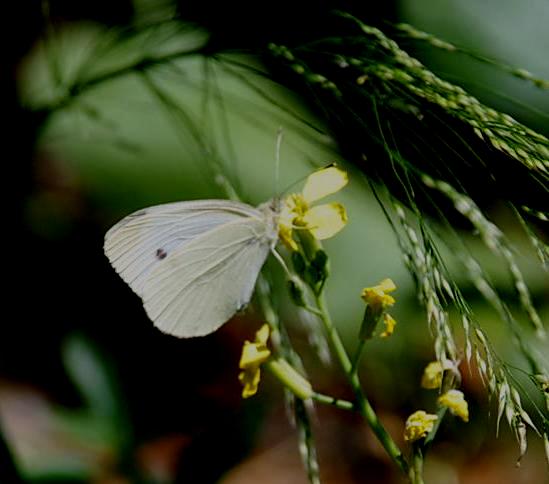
(362, 403)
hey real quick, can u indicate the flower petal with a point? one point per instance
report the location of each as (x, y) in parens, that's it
(418, 425)
(432, 375)
(250, 380)
(390, 324)
(324, 221)
(253, 355)
(285, 236)
(376, 298)
(387, 285)
(455, 401)
(323, 183)
(262, 335)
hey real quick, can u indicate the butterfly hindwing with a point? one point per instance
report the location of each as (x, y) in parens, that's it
(200, 285)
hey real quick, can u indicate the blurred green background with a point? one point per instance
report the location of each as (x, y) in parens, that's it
(89, 390)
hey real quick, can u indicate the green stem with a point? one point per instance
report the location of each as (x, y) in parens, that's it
(358, 355)
(334, 402)
(290, 378)
(283, 346)
(416, 471)
(312, 310)
(363, 404)
(430, 437)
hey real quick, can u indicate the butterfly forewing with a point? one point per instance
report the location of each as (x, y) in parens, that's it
(140, 241)
(204, 282)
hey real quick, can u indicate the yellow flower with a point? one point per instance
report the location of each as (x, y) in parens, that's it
(253, 355)
(377, 296)
(390, 324)
(377, 301)
(455, 401)
(322, 221)
(432, 375)
(285, 235)
(418, 425)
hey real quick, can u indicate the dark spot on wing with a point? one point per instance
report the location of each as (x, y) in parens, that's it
(161, 254)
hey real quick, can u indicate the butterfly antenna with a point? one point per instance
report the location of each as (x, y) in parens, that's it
(279, 136)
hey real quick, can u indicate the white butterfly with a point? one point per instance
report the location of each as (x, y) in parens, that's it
(194, 264)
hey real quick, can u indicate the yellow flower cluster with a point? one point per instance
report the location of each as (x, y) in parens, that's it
(378, 296)
(256, 354)
(322, 221)
(418, 425)
(378, 300)
(432, 376)
(390, 324)
(253, 356)
(455, 401)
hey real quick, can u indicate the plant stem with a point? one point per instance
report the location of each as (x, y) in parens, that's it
(430, 437)
(334, 402)
(416, 471)
(363, 404)
(358, 355)
(283, 346)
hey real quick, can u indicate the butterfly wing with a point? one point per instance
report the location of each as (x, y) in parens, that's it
(140, 241)
(204, 282)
